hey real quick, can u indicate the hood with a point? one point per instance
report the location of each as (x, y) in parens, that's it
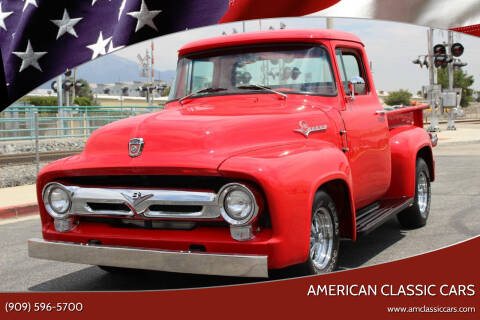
(200, 134)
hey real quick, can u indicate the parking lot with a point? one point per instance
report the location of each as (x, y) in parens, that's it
(454, 217)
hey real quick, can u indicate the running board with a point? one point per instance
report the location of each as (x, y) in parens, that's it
(372, 216)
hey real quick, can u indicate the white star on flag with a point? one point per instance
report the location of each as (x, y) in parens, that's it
(66, 25)
(3, 16)
(98, 48)
(27, 2)
(29, 57)
(145, 17)
(112, 49)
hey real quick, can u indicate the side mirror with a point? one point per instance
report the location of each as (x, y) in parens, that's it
(356, 84)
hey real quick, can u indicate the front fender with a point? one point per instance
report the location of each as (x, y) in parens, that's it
(289, 176)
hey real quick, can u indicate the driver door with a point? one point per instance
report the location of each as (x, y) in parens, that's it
(367, 132)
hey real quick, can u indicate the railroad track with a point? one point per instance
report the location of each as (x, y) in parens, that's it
(456, 121)
(26, 158)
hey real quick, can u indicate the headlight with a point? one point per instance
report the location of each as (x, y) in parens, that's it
(237, 204)
(57, 200)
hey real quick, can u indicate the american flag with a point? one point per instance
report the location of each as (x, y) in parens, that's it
(40, 39)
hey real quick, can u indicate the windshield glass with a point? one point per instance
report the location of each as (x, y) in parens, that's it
(302, 69)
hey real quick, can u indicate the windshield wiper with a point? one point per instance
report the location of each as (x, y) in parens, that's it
(259, 87)
(206, 90)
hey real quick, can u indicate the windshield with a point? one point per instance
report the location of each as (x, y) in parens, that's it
(290, 68)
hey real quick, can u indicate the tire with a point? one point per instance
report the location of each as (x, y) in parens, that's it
(416, 216)
(324, 235)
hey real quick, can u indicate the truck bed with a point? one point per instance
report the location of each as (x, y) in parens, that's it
(411, 115)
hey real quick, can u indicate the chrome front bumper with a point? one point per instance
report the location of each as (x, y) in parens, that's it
(170, 261)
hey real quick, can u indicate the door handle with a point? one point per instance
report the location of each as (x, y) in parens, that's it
(380, 112)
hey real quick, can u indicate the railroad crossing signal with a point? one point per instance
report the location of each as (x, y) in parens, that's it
(67, 85)
(442, 59)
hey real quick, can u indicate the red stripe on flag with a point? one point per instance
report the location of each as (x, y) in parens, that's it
(472, 30)
(257, 9)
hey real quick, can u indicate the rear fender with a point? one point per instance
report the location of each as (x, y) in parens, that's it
(406, 143)
(289, 176)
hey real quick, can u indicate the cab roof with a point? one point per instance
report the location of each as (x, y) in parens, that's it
(272, 36)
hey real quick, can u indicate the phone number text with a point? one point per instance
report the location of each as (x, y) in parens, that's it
(43, 307)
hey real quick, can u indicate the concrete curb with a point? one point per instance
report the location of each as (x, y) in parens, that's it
(20, 210)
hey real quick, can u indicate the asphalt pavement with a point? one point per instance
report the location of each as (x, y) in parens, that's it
(454, 217)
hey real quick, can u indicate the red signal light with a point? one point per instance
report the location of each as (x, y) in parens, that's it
(457, 49)
(439, 49)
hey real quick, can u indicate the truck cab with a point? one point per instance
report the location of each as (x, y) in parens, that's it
(272, 146)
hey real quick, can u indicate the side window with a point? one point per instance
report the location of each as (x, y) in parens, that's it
(351, 66)
(202, 75)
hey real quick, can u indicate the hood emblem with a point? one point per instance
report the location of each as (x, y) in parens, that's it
(306, 130)
(135, 198)
(135, 147)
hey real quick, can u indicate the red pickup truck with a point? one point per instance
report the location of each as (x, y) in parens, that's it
(273, 146)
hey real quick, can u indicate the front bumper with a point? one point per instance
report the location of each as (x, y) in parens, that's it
(160, 260)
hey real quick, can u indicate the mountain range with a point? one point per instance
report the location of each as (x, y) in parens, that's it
(112, 68)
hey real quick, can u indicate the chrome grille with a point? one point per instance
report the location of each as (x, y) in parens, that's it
(149, 203)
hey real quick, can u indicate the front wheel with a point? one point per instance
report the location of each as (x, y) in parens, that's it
(324, 236)
(416, 216)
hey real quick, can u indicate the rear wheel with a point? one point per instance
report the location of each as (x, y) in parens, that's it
(416, 216)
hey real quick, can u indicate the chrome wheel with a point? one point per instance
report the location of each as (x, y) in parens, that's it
(321, 239)
(422, 193)
(416, 215)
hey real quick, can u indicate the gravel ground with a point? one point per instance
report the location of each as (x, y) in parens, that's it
(19, 175)
(28, 146)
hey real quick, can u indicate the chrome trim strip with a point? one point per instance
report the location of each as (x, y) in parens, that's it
(170, 261)
(139, 202)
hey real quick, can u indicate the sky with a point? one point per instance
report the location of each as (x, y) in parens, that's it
(390, 46)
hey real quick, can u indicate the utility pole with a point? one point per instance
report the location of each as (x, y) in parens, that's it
(450, 65)
(431, 95)
(451, 112)
(152, 82)
(74, 81)
(59, 91)
(329, 23)
(60, 110)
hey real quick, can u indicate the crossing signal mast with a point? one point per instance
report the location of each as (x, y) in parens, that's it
(147, 70)
(443, 55)
(447, 55)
